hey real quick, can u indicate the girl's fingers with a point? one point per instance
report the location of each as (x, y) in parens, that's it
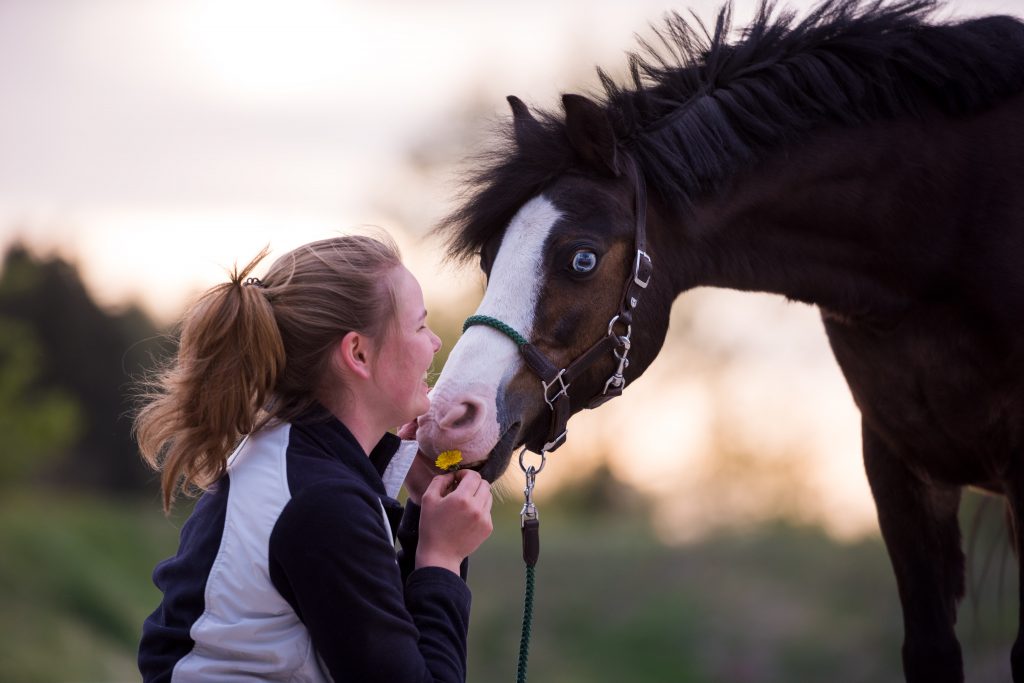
(469, 481)
(408, 430)
(439, 485)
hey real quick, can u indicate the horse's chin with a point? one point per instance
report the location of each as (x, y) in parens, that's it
(500, 456)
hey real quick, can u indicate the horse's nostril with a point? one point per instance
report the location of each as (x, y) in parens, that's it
(460, 416)
(468, 415)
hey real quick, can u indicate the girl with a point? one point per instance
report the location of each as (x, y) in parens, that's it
(287, 568)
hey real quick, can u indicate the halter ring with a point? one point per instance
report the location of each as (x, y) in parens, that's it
(536, 470)
(611, 327)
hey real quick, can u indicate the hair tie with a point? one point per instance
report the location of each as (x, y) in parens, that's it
(254, 281)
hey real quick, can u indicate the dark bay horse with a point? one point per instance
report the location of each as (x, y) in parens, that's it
(868, 159)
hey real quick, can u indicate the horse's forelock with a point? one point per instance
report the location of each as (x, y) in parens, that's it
(501, 180)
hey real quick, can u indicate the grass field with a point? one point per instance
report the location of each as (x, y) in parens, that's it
(772, 603)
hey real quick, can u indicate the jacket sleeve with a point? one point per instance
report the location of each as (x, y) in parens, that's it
(409, 536)
(331, 558)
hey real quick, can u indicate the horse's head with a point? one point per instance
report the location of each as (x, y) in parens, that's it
(567, 274)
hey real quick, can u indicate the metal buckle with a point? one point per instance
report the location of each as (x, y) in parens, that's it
(563, 391)
(636, 269)
(554, 443)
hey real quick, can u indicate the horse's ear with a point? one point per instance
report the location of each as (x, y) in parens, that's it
(590, 134)
(522, 119)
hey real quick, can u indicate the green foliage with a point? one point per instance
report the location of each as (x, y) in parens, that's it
(74, 576)
(35, 424)
(774, 604)
(66, 367)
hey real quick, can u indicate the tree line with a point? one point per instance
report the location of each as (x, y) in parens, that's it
(67, 372)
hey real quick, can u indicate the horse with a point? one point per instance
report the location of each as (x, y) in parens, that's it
(867, 159)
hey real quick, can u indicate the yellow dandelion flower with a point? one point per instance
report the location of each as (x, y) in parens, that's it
(448, 459)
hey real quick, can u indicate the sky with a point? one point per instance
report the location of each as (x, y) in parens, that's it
(156, 142)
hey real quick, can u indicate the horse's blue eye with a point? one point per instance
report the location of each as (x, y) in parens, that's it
(584, 261)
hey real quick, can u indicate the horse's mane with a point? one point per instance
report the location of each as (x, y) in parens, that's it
(698, 106)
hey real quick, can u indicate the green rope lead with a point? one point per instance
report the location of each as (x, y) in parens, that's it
(524, 642)
(496, 324)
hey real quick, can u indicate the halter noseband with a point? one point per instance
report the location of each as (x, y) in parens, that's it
(557, 381)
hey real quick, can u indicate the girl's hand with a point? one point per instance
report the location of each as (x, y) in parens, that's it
(422, 471)
(455, 520)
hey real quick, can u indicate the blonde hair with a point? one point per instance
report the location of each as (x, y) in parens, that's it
(251, 351)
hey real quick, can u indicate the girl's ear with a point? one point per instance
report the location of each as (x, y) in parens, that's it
(351, 355)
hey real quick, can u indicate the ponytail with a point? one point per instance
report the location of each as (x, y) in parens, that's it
(251, 351)
(230, 355)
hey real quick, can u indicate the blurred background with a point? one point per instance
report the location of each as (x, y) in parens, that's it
(714, 524)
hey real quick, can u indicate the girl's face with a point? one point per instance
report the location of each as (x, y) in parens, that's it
(405, 354)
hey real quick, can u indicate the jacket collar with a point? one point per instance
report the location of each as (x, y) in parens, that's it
(341, 444)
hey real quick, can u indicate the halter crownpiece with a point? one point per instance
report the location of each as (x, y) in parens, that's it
(557, 381)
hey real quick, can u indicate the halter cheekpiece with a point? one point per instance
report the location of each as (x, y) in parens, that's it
(555, 381)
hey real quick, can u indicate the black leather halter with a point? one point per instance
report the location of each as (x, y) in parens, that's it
(555, 381)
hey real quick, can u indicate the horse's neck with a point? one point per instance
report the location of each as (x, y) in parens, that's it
(855, 221)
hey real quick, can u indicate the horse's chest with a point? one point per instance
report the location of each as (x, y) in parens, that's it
(938, 395)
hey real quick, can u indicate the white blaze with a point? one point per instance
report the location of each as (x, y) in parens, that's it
(484, 356)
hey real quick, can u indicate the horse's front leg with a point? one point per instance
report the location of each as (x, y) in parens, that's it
(919, 523)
